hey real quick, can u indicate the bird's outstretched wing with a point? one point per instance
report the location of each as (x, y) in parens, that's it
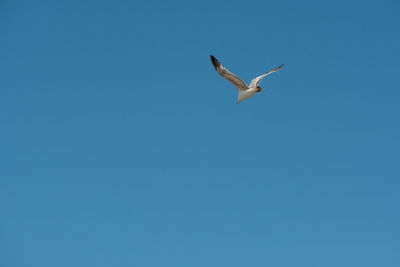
(232, 78)
(256, 81)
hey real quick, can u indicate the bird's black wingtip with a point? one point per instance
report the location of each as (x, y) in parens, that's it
(214, 61)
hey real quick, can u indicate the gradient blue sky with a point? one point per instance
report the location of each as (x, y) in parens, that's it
(121, 145)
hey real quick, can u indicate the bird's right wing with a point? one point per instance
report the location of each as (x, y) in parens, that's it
(232, 78)
(256, 81)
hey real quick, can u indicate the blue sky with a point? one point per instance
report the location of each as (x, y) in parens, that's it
(121, 145)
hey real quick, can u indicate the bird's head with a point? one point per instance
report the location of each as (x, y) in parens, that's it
(259, 89)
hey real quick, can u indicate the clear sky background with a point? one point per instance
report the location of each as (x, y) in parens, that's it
(121, 145)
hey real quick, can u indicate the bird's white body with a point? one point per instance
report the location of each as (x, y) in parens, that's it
(245, 94)
(244, 91)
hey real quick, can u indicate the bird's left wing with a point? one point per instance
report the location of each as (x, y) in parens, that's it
(256, 81)
(232, 78)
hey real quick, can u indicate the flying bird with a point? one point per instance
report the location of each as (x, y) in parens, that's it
(244, 91)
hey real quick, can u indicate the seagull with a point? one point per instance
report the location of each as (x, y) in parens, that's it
(244, 91)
